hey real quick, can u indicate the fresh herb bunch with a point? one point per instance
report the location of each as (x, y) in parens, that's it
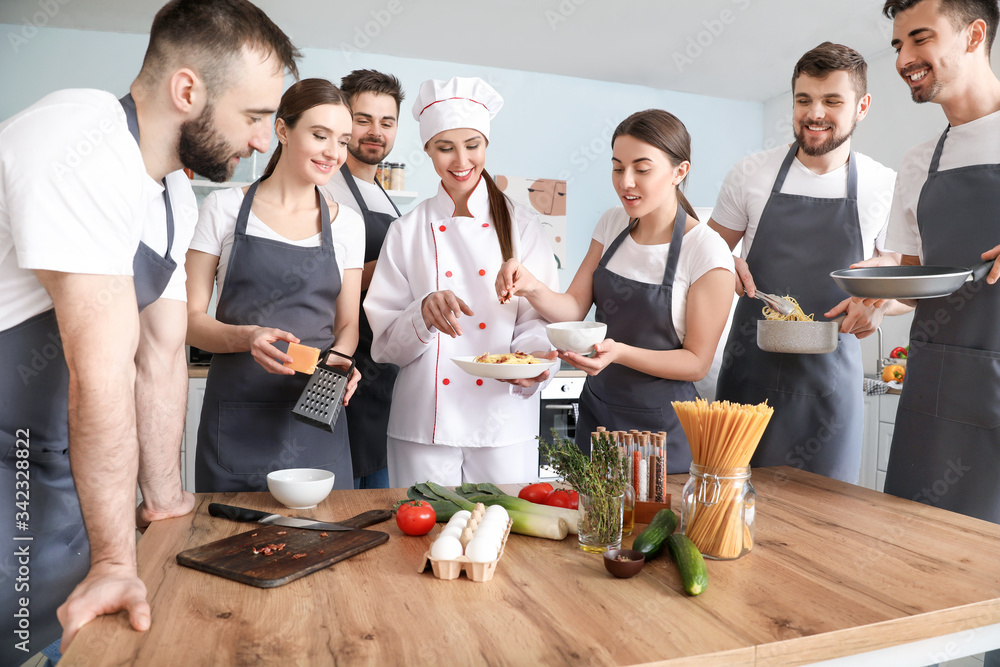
(605, 473)
(600, 478)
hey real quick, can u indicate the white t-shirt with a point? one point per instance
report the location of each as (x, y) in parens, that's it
(701, 251)
(75, 198)
(336, 190)
(748, 185)
(217, 226)
(975, 142)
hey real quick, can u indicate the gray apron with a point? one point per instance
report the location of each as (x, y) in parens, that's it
(247, 428)
(34, 400)
(368, 411)
(817, 399)
(946, 443)
(640, 314)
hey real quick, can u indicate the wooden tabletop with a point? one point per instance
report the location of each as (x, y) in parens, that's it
(836, 570)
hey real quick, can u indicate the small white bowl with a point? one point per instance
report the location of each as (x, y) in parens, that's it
(300, 488)
(579, 337)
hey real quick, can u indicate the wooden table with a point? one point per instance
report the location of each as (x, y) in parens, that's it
(836, 570)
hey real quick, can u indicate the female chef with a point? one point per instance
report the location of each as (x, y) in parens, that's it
(659, 279)
(287, 267)
(431, 298)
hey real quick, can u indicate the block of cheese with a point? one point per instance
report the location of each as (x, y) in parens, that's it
(304, 358)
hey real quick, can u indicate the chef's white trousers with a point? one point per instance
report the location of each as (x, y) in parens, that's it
(414, 462)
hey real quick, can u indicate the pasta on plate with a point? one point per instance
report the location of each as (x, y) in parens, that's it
(508, 358)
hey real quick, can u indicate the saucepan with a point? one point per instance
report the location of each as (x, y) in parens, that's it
(792, 337)
(907, 282)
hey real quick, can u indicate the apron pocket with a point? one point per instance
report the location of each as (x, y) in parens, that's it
(808, 374)
(958, 384)
(252, 436)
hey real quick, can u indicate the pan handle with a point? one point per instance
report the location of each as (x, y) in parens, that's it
(979, 271)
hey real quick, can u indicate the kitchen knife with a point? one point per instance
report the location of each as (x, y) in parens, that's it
(368, 518)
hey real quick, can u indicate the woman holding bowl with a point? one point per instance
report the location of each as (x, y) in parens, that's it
(659, 279)
(287, 267)
(432, 299)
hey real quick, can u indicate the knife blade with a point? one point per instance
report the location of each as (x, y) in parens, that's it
(243, 514)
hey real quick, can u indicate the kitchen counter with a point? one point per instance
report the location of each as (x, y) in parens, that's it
(837, 570)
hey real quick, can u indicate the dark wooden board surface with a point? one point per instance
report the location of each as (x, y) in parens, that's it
(234, 557)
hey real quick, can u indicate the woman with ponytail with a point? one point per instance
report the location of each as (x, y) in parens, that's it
(286, 265)
(431, 299)
(661, 280)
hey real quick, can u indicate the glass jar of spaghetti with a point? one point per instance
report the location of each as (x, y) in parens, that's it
(717, 511)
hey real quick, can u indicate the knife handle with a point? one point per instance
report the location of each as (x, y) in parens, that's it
(365, 519)
(236, 513)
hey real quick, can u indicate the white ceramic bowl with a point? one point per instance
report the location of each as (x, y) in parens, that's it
(300, 488)
(579, 337)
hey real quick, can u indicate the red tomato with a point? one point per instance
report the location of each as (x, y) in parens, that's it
(416, 517)
(536, 493)
(563, 498)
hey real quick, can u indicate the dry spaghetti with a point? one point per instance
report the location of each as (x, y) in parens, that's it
(722, 436)
(797, 315)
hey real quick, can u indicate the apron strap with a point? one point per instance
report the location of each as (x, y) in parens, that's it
(132, 119)
(936, 158)
(785, 166)
(677, 237)
(353, 187)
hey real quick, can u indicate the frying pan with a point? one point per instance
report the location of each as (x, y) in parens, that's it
(907, 282)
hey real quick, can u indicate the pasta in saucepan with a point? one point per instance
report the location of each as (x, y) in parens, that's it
(796, 315)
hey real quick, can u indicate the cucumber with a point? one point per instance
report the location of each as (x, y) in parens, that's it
(694, 576)
(652, 540)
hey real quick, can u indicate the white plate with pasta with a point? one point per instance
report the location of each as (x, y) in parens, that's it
(509, 369)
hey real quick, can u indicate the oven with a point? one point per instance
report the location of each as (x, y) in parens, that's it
(560, 408)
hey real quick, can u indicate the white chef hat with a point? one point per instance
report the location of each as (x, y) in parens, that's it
(456, 103)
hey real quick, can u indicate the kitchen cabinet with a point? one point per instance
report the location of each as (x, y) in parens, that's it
(196, 396)
(880, 420)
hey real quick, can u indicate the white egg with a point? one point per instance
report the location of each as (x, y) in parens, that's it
(464, 514)
(498, 509)
(481, 551)
(452, 531)
(493, 522)
(458, 522)
(492, 533)
(446, 548)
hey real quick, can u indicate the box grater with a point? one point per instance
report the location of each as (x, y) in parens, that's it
(321, 400)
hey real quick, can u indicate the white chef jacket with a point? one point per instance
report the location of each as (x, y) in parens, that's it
(427, 250)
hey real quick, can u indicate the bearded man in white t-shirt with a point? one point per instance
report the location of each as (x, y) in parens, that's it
(800, 212)
(95, 219)
(946, 443)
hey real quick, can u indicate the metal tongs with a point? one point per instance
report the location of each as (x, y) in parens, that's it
(776, 303)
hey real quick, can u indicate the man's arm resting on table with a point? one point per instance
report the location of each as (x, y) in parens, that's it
(161, 385)
(99, 327)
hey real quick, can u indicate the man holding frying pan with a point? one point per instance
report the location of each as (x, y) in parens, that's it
(946, 443)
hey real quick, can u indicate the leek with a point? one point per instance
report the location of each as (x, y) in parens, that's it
(550, 525)
(489, 494)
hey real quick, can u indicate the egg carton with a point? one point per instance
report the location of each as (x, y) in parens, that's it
(451, 569)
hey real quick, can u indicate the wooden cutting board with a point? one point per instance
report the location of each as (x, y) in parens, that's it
(234, 557)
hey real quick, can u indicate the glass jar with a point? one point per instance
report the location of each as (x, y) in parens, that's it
(397, 176)
(717, 511)
(600, 522)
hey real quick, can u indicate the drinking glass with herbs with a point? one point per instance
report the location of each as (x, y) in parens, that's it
(600, 480)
